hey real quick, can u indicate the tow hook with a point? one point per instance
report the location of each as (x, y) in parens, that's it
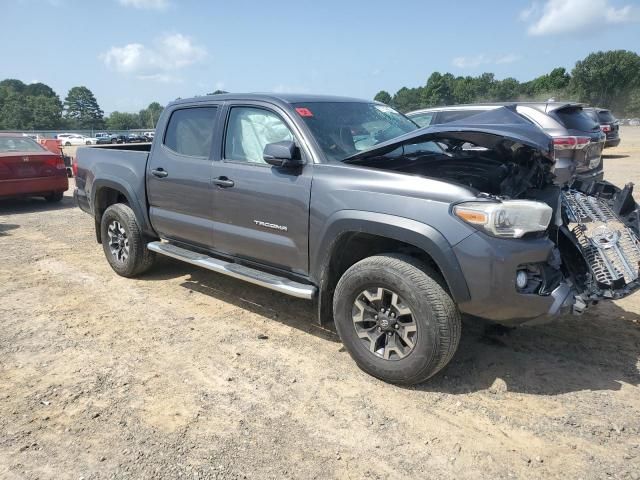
(579, 306)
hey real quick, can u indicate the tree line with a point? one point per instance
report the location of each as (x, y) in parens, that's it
(36, 106)
(608, 79)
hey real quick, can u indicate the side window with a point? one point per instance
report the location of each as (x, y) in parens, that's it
(190, 131)
(249, 130)
(423, 119)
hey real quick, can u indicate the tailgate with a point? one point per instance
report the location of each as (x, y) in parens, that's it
(22, 165)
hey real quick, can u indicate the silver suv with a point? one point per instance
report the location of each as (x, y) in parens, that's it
(577, 138)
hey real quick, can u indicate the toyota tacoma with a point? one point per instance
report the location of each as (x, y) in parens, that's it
(392, 230)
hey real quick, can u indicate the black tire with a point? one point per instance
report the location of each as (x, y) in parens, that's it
(435, 315)
(113, 140)
(67, 144)
(54, 197)
(138, 259)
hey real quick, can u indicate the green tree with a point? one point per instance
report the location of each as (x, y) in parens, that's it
(505, 90)
(149, 116)
(14, 112)
(17, 86)
(217, 92)
(28, 107)
(438, 90)
(123, 121)
(407, 99)
(607, 79)
(81, 109)
(384, 97)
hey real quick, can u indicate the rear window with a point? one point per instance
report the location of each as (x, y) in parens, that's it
(455, 115)
(576, 119)
(605, 116)
(190, 131)
(19, 144)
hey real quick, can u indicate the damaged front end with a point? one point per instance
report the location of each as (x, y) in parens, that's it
(589, 251)
(598, 241)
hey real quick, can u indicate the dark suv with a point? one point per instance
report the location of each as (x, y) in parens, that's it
(577, 138)
(608, 124)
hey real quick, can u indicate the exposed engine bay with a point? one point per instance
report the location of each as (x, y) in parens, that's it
(506, 172)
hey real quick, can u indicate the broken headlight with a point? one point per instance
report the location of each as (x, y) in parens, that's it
(507, 219)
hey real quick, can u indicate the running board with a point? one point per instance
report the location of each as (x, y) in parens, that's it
(251, 275)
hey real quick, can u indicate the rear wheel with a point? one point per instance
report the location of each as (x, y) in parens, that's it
(54, 197)
(123, 243)
(68, 144)
(395, 319)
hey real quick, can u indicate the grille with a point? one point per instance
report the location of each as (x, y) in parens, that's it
(611, 249)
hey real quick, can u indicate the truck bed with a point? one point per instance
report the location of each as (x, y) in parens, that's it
(122, 167)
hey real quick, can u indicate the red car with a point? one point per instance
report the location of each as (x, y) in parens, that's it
(28, 169)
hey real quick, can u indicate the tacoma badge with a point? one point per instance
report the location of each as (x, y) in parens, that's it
(273, 226)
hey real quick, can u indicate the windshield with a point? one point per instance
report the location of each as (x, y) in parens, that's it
(343, 129)
(19, 144)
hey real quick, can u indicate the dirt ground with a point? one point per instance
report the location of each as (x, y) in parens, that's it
(187, 374)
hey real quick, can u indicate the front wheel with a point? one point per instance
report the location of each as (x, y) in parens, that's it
(395, 319)
(123, 242)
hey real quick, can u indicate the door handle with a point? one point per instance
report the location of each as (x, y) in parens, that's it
(223, 182)
(160, 172)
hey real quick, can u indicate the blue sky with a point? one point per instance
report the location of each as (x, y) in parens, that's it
(133, 52)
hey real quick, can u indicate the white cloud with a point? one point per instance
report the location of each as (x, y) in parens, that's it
(483, 59)
(158, 62)
(570, 16)
(146, 4)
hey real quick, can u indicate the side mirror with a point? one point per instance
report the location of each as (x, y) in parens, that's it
(283, 154)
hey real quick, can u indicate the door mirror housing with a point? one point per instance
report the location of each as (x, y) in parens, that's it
(283, 154)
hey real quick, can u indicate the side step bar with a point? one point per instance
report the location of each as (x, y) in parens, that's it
(251, 275)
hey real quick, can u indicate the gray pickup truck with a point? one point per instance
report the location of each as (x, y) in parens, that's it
(392, 230)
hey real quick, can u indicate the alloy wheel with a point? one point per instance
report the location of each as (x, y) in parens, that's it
(384, 323)
(118, 241)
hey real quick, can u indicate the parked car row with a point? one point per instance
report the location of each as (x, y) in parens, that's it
(630, 121)
(107, 138)
(69, 139)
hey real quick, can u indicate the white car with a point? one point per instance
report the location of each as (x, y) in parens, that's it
(75, 139)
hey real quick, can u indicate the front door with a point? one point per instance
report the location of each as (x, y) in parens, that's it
(179, 186)
(261, 212)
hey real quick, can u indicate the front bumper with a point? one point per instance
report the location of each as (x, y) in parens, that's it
(490, 266)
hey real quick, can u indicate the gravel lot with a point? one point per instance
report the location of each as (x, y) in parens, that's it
(185, 373)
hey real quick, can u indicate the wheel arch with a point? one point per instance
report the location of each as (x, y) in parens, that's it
(107, 192)
(351, 236)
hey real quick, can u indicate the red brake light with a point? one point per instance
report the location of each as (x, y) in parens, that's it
(605, 128)
(570, 143)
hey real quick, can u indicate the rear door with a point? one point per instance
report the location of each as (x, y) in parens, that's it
(261, 212)
(179, 176)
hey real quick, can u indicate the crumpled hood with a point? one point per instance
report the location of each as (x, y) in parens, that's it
(487, 129)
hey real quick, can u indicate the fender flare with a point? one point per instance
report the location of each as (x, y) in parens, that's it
(405, 230)
(129, 194)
